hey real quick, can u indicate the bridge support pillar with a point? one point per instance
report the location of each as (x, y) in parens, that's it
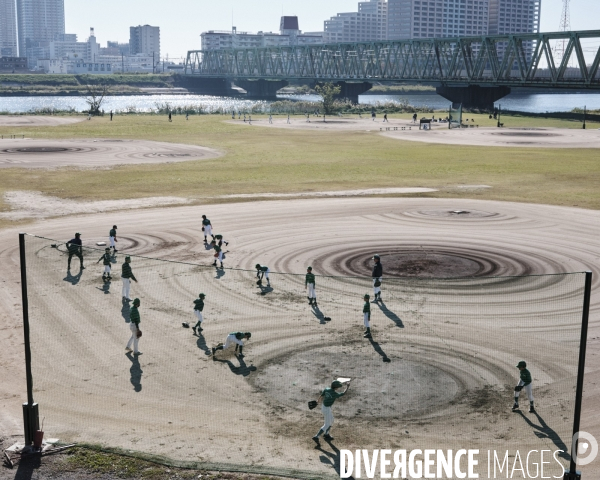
(351, 90)
(207, 86)
(474, 96)
(261, 88)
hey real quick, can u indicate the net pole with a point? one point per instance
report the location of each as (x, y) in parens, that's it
(572, 474)
(30, 409)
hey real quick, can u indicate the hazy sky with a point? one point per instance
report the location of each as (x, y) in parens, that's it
(182, 21)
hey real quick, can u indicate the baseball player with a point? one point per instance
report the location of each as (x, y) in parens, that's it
(134, 326)
(106, 258)
(206, 228)
(218, 253)
(198, 307)
(75, 249)
(377, 274)
(127, 275)
(524, 383)
(367, 316)
(309, 283)
(112, 238)
(262, 271)
(329, 396)
(220, 240)
(235, 337)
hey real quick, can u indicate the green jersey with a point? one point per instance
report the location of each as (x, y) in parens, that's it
(113, 232)
(217, 248)
(134, 316)
(238, 335)
(525, 377)
(106, 259)
(263, 268)
(126, 271)
(367, 308)
(206, 222)
(310, 278)
(330, 395)
(199, 304)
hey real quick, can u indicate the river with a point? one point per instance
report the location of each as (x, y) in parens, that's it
(534, 103)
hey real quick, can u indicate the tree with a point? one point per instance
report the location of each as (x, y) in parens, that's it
(328, 91)
(95, 97)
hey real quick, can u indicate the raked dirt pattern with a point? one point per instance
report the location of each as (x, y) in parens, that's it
(95, 153)
(438, 373)
(538, 137)
(37, 120)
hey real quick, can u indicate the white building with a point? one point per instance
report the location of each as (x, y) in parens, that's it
(437, 18)
(368, 24)
(289, 34)
(39, 21)
(8, 29)
(67, 46)
(145, 39)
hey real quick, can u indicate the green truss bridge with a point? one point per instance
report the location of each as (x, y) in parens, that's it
(474, 71)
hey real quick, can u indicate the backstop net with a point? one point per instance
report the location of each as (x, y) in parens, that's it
(438, 373)
(455, 116)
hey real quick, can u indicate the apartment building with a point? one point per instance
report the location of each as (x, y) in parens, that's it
(8, 29)
(369, 23)
(145, 39)
(39, 21)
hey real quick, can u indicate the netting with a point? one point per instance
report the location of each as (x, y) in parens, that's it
(455, 116)
(439, 371)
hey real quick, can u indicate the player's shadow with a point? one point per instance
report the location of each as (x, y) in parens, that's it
(125, 311)
(220, 273)
(319, 315)
(135, 371)
(207, 246)
(264, 290)
(73, 279)
(389, 314)
(331, 458)
(243, 369)
(105, 287)
(379, 350)
(201, 343)
(543, 430)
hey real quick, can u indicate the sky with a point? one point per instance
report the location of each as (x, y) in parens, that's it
(182, 21)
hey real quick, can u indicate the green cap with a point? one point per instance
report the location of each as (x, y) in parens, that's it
(77, 234)
(202, 295)
(127, 257)
(522, 363)
(375, 256)
(336, 384)
(367, 295)
(136, 301)
(247, 335)
(257, 265)
(309, 268)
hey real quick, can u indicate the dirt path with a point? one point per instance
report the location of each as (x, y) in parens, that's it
(442, 342)
(37, 120)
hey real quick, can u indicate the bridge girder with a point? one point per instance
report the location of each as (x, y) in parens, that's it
(501, 60)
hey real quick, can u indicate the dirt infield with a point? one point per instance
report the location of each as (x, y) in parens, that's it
(95, 153)
(540, 137)
(252, 410)
(36, 121)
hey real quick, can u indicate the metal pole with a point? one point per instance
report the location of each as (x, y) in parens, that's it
(30, 409)
(584, 113)
(572, 473)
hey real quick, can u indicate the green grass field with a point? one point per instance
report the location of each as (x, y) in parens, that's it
(259, 160)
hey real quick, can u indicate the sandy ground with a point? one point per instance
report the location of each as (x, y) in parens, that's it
(36, 120)
(95, 153)
(26, 204)
(406, 130)
(450, 347)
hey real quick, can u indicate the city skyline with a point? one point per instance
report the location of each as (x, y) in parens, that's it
(180, 33)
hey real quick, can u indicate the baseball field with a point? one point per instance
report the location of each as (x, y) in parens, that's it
(482, 232)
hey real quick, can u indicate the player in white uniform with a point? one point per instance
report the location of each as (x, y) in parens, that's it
(234, 337)
(524, 383)
(112, 238)
(207, 228)
(329, 396)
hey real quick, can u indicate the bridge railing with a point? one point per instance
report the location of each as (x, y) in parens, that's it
(523, 59)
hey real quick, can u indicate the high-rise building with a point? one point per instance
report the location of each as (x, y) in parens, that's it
(514, 16)
(437, 18)
(368, 24)
(289, 34)
(39, 22)
(146, 40)
(8, 29)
